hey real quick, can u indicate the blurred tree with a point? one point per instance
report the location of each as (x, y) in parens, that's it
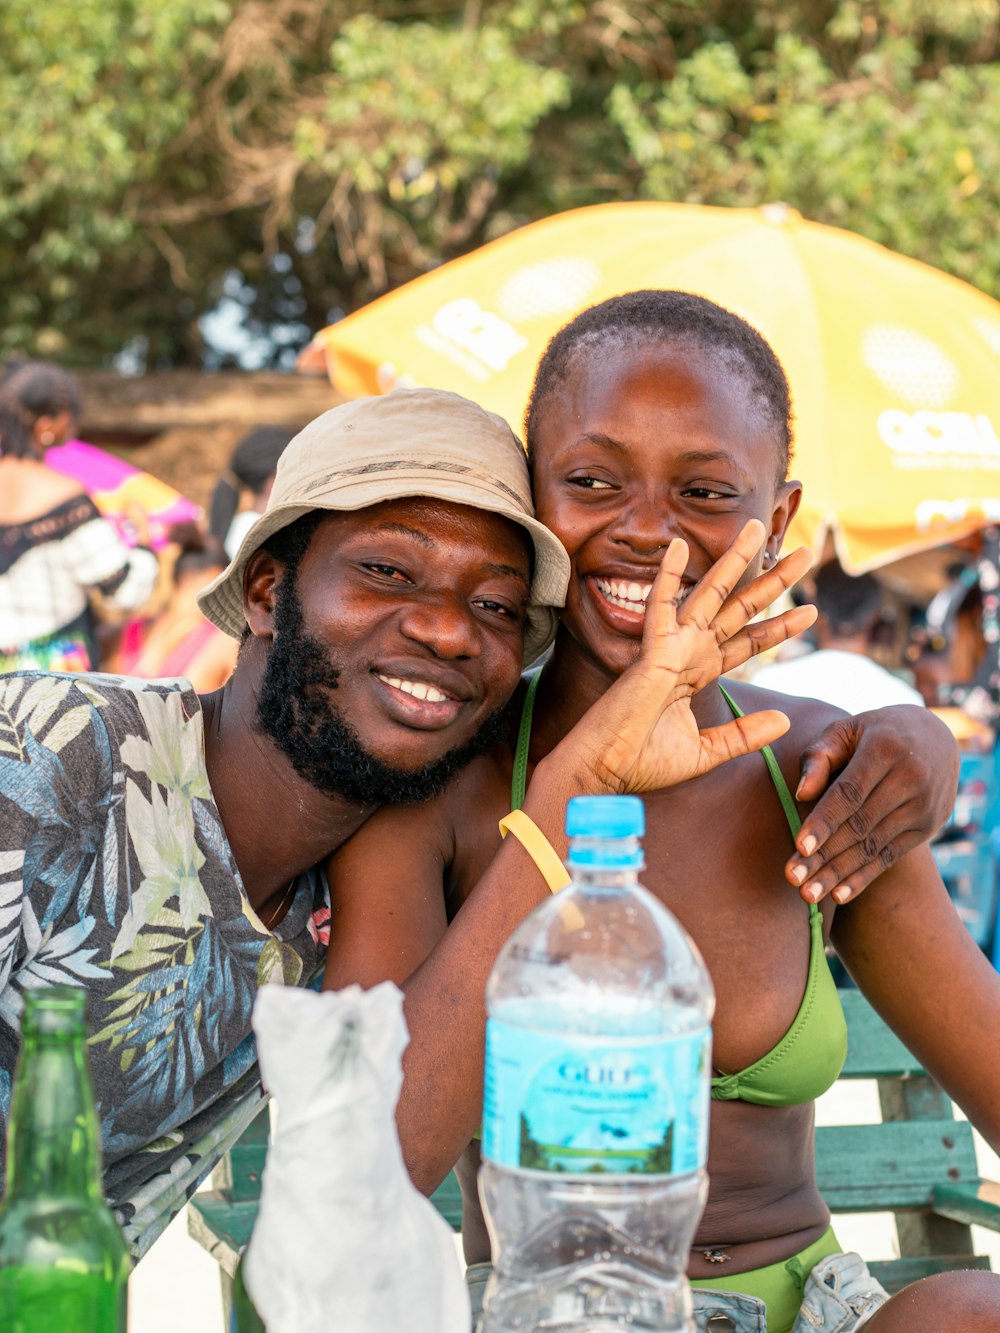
(293, 158)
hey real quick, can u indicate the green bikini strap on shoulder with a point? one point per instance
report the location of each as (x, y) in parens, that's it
(784, 796)
(777, 777)
(519, 779)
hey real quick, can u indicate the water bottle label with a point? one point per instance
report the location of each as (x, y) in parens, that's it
(579, 1104)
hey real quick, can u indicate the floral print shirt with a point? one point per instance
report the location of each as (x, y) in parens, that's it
(116, 875)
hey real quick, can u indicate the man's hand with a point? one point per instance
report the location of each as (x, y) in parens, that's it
(897, 788)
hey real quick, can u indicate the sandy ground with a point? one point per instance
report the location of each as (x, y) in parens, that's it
(176, 1287)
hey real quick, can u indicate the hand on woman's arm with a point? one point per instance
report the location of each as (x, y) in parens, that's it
(897, 788)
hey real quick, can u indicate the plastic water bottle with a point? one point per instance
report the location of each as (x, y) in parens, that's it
(598, 1059)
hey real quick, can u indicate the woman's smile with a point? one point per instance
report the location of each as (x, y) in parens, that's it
(637, 448)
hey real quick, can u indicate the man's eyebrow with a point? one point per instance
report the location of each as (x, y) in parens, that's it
(508, 571)
(403, 530)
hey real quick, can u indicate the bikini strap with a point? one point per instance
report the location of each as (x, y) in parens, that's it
(777, 777)
(519, 779)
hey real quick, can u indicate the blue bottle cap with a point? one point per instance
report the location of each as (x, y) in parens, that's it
(605, 817)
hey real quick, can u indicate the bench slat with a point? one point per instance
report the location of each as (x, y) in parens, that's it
(894, 1274)
(976, 1204)
(864, 1168)
(872, 1048)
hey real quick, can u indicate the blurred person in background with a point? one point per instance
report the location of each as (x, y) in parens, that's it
(240, 494)
(956, 651)
(841, 670)
(56, 551)
(178, 640)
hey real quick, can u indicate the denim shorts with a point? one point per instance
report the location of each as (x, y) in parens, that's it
(840, 1296)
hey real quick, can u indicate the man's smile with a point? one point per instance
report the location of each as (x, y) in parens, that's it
(417, 702)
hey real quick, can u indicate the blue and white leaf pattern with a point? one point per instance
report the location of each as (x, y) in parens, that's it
(116, 874)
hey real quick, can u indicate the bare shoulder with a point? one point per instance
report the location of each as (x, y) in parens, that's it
(30, 490)
(808, 719)
(61, 488)
(51, 488)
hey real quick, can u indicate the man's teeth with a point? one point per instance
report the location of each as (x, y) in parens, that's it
(630, 596)
(418, 688)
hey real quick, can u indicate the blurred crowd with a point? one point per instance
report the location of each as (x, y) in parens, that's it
(79, 592)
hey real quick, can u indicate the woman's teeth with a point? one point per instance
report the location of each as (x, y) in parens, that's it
(418, 688)
(629, 596)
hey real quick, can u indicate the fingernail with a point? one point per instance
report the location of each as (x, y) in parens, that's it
(808, 845)
(842, 893)
(799, 874)
(813, 892)
(799, 789)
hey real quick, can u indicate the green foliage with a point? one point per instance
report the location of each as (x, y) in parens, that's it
(304, 155)
(881, 129)
(92, 94)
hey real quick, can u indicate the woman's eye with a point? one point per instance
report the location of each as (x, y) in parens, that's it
(590, 483)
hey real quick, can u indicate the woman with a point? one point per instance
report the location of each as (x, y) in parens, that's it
(56, 551)
(179, 641)
(656, 416)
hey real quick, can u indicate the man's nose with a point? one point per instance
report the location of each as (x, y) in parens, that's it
(444, 624)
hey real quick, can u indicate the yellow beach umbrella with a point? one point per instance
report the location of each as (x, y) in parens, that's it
(894, 366)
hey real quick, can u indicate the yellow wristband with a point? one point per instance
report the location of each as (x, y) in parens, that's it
(538, 847)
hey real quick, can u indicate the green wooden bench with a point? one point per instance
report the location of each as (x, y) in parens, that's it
(918, 1164)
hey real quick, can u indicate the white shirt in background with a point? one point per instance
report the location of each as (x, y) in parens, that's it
(847, 680)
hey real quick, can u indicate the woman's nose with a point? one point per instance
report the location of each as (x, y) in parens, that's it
(646, 526)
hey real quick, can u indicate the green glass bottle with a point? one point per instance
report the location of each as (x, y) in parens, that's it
(244, 1318)
(63, 1262)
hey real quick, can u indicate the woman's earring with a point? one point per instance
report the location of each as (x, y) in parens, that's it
(46, 438)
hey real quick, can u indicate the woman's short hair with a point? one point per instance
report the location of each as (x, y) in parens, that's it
(659, 316)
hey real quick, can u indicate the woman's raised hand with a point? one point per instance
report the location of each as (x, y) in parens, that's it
(642, 734)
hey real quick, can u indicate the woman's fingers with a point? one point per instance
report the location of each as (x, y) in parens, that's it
(762, 592)
(661, 605)
(702, 605)
(743, 735)
(763, 634)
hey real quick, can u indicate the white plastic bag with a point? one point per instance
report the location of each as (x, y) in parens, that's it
(344, 1243)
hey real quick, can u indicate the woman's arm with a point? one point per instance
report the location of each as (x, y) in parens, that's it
(907, 949)
(897, 788)
(387, 905)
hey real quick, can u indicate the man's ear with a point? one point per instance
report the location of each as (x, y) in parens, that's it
(261, 577)
(786, 503)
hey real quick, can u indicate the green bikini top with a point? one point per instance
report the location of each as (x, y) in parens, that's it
(809, 1057)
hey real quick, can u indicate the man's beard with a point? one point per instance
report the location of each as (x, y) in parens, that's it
(296, 712)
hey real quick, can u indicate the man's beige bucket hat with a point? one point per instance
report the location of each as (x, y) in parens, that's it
(420, 442)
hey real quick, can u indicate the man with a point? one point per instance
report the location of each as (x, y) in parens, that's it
(161, 849)
(840, 671)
